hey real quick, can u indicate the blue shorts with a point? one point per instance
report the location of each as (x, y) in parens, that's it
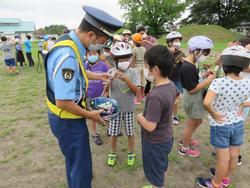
(155, 161)
(228, 135)
(10, 62)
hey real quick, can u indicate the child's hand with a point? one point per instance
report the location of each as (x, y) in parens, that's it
(218, 117)
(138, 117)
(122, 76)
(211, 77)
(240, 112)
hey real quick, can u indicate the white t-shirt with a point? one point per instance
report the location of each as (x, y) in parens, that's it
(230, 94)
(247, 76)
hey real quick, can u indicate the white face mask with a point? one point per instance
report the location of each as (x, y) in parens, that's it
(201, 58)
(96, 46)
(106, 54)
(177, 45)
(124, 65)
(150, 78)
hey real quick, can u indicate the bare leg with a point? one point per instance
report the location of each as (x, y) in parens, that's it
(222, 164)
(113, 142)
(191, 126)
(93, 126)
(234, 153)
(131, 143)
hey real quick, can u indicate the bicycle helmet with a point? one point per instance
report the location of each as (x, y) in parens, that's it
(236, 56)
(173, 35)
(200, 42)
(120, 49)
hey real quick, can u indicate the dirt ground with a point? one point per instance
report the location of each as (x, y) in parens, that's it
(30, 156)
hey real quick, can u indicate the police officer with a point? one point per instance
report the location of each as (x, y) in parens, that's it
(67, 82)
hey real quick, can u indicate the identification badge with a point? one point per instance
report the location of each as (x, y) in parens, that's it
(68, 74)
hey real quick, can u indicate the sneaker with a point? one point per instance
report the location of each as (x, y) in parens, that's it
(136, 101)
(111, 159)
(189, 152)
(193, 143)
(131, 159)
(239, 160)
(225, 181)
(206, 183)
(143, 98)
(97, 139)
(212, 172)
(175, 121)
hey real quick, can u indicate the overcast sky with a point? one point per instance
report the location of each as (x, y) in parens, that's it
(47, 12)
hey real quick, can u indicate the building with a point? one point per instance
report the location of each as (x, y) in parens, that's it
(14, 26)
(243, 28)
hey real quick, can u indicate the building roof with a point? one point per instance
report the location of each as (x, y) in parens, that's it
(15, 25)
(10, 21)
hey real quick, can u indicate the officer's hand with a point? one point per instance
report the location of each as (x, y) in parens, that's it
(95, 115)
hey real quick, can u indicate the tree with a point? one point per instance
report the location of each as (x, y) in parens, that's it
(227, 13)
(55, 29)
(152, 13)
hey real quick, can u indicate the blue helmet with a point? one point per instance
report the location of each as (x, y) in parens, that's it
(46, 37)
(110, 107)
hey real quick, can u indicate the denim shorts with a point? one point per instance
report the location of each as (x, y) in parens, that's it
(10, 62)
(228, 135)
(178, 86)
(155, 161)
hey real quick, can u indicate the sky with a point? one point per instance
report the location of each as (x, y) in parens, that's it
(47, 12)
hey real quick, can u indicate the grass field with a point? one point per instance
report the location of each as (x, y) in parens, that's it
(30, 156)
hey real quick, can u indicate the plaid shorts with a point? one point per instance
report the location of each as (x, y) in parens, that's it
(115, 124)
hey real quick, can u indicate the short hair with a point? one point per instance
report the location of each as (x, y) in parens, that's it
(161, 57)
(87, 27)
(3, 38)
(141, 28)
(232, 69)
(28, 37)
(244, 41)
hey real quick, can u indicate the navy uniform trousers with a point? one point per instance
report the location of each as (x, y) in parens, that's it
(73, 139)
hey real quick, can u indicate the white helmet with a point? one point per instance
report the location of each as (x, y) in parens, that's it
(237, 56)
(121, 49)
(200, 42)
(117, 37)
(173, 35)
(126, 32)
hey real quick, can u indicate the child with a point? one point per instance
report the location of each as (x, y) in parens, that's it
(138, 63)
(19, 51)
(199, 46)
(156, 121)
(123, 89)
(95, 89)
(7, 47)
(28, 50)
(174, 44)
(223, 101)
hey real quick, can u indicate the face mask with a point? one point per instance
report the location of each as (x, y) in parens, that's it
(144, 36)
(123, 65)
(177, 45)
(106, 54)
(93, 58)
(201, 58)
(150, 78)
(96, 46)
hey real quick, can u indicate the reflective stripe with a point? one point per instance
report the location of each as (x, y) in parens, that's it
(59, 64)
(52, 107)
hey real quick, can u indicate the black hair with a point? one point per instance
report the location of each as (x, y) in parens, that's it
(3, 38)
(228, 69)
(87, 27)
(53, 38)
(141, 28)
(161, 57)
(244, 41)
(28, 37)
(98, 51)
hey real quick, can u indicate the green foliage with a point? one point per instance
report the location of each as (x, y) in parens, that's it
(227, 13)
(55, 29)
(156, 14)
